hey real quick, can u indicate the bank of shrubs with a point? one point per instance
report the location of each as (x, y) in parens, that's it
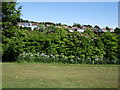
(60, 46)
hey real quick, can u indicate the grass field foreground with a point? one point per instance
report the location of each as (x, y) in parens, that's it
(32, 75)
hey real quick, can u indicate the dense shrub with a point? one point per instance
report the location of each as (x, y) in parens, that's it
(11, 43)
(61, 46)
(111, 45)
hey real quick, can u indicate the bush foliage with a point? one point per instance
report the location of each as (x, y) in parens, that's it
(60, 46)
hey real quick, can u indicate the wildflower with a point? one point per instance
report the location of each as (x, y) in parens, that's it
(31, 55)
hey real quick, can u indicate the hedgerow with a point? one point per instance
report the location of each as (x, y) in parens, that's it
(60, 46)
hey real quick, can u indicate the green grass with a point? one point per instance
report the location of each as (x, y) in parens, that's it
(32, 75)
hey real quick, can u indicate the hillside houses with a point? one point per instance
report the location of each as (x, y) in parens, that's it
(28, 24)
(76, 29)
(80, 29)
(104, 30)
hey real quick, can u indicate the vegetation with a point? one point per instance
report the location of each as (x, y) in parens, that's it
(107, 28)
(117, 30)
(76, 25)
(51, 44)
(10, 14)
(60, 46)
(54, 44)
(40, 75)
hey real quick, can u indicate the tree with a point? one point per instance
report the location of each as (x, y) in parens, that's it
(96, 26)
(107, 28)
(117, 30)
(49, 23)
(58, 24)
(10, 14)
(10, 34)
(76, 25)
(90, 26)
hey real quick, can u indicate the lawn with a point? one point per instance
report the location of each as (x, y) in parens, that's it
(39, 75)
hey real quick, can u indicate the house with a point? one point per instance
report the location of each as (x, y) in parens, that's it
(104, 30)
(65, 26)
(24, 24)
(80, 30)
(47, 25)
(29, 24)
(70, 30)
(58, 26)
(84, 27)
(34, 25)
(112, 30)
(100, 31)
(76, 29)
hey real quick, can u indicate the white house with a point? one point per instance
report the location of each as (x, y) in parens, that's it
(112, 30)
(71, 30)
(31, 25)
(76, 29)
(24, 24)
(80, 30)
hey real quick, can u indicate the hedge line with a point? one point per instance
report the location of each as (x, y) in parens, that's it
(60, 46)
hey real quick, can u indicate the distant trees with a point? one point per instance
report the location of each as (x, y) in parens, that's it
(58, 24)
(107, 28)
(26, 21)
(49, 23)
(97, 27)
(76, 25)
(117, 30)
(90, 26)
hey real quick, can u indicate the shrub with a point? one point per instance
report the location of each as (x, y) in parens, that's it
(61, 46)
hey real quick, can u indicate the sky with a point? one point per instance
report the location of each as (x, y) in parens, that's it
(93, 13)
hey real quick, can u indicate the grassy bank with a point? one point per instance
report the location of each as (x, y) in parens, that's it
(32, 75)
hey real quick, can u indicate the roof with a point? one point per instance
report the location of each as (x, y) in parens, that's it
(34, 24)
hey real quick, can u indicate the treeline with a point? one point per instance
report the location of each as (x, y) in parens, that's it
(60, 46)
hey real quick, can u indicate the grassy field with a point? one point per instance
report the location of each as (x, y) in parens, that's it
(32, 75)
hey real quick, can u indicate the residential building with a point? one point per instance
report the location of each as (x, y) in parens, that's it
(80, 30)
(76, 29)
(29, 24)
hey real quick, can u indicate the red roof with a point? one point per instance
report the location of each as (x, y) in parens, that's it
(35, 24)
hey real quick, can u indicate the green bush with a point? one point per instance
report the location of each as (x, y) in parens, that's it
(11, 43)
(61, 46)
